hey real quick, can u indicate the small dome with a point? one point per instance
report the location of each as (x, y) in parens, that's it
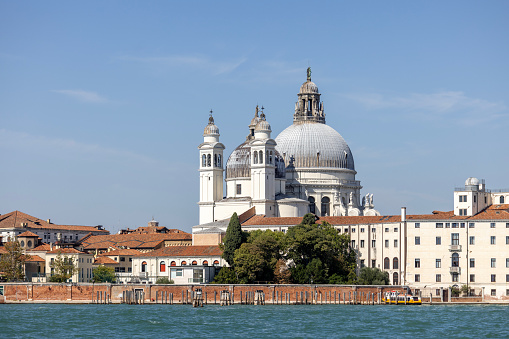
(472, 182)
(211, 128)
(254, 121)
(239, 163)
(263, 126)
(308, 87)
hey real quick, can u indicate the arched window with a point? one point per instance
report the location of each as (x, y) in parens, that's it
(325, 206)
(502, 199)
(208, 160)
(203, 160)
(144, 266)
(216, 263)
(387, 263)
(162, 267)
(219, 161)
(29, 243)
(312, 206)
(215, 161)
(183, 263)
(22, 243)
(395, 280)
(173, 263)
(270, 158)
(455, 262)
(205, 263)
(194, 262)
(261, 157)
(395, 263)
(255, 160)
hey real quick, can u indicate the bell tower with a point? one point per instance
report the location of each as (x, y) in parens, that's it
(308, 108)
(211, 171)
(263, 169)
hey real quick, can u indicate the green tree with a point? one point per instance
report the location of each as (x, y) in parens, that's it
(249, 263)
(373, 276)
(164, 280)
(232, 239)
(104, 274)
(225, 276)
(64, 268)
(282, 274)
(12, 263)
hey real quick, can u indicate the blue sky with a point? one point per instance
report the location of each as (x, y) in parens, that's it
(103, 103)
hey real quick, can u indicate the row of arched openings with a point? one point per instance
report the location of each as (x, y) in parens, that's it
(258, 157)
(325, 206)
(206, 160)
(387, 263)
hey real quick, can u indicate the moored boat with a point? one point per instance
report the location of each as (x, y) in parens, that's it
(396, 298)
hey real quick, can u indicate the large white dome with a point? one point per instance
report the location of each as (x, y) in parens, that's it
(310, 144)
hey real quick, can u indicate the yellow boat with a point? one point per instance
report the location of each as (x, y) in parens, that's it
(395, 298)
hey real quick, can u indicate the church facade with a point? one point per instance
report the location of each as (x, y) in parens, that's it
(308, 167)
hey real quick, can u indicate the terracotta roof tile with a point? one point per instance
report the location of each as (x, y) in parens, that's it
(42, 248)
(184, 251)
(16, 218)
(132, 240)
(35, 258)
(65, 251)
(28, 234)
(121, 252)
(105, 261)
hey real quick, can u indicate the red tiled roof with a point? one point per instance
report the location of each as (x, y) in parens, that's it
(105, 261)
(16, 218)
(35, 258)
(184, 251)
(65, 251)
(43, 248)
(121, 252)
(132, 240)
(28, 234)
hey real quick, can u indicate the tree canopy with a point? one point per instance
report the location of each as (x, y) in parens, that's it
(104, 274)
(12, 263)
(232, 240)
(373, 276)
(64, 268)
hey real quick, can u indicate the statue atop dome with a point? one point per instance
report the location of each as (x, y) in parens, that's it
(309, 73)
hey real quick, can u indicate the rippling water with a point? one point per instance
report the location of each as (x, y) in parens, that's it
(303, 321)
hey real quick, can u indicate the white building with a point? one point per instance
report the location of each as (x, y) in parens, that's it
(307, 168)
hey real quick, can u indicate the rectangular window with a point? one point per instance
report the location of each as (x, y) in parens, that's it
(417, 262)
(471, 225)
(493, 240)
(462, 224)
(472, 277)
(471, 240)
(129, 269)
(417, 240)
(475, 198)
(353, 243)
(439, 225)
(438, 240)
(437, 291)
(472, 262)
(507, 278)
(373, 230)
(507, 239)
(507, 292)
(386, 243)
(454, 225)
(493, 262)
(353, 230)
(438, 263)
(239, 189)
(455, 238)
(507, 262)
(438, 278)
(373, 243)
(492, 225)
(395, 229)
(373, 263)
(362, 243)
(387, 229)
(395, 242)
(507, 225)
(455, 277)
(493, 278)
(417, 278)
(362, 263)
(417, 225)
(362, 230)
(493, 292)
(122, 258)
(447, 225)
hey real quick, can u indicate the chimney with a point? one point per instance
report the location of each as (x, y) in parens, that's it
(51, 246)
(48, 221)
(403, 214)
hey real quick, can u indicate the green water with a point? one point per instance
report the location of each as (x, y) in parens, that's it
(311, 321)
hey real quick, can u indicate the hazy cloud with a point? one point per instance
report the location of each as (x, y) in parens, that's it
(197, 62)
(440, 104)
(85, 96)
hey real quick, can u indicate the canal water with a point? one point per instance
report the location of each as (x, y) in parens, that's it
(269, 321)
